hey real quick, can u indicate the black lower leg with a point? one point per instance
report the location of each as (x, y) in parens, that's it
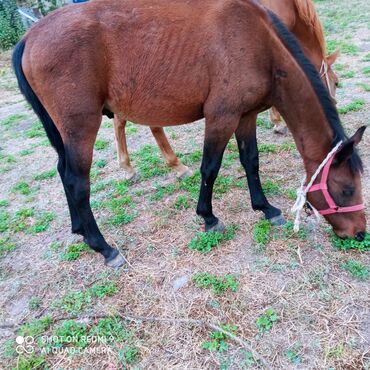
(75, 219)
(248, 152)
(77, 182)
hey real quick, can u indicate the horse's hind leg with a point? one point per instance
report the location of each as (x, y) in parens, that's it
(79, 143)
(248, 152)
(122, 151)
(169, 155)
(279, 126)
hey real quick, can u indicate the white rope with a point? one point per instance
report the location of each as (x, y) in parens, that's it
(302, 191)
(324, 72)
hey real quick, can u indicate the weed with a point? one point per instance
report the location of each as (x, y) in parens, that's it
(336, 351)
(205, 242)
(71, 329)
(25, 152)
(347, 74)
(11, 120)
(101, 144)
(31, 362)
(191, 158)
(100, 163)
(35, 327)
(74, 251)
(6, 245)
(265, 322)
(347, 244)
(4, 203)
(365, 86)
(42, 223)
(130, 128)
(192, 184)
(344, 46)
(103, 290)
(149, 163)
(46, 175)
(366, 71)
(218, 339)
(128, 356)
(218, 284)
(21, 187)
(293, 353)
(289, 231)
(100, 186)
(34, 303)
(223, 184)
(270, 188)
(357, 269)
(354, 106)
(262, 232)
(263, 122)
(112, 329)
(182, 202)
(162, 191)
(36, 130)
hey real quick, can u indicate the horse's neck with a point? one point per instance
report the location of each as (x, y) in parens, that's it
(296, 100)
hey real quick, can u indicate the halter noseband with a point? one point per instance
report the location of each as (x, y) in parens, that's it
(323, 186)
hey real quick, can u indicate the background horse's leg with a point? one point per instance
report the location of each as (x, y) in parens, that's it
(122, 152)
(279, 126)
(217, 134)
(248, 152)
(78, 157)
(169, 155)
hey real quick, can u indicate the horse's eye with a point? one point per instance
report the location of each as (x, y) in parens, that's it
(348, 192)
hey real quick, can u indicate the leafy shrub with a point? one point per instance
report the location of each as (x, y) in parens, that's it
(11, 28)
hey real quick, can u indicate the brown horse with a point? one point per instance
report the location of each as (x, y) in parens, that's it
(301, 18)
(169, 62)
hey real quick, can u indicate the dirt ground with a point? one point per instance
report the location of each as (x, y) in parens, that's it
(320, 308)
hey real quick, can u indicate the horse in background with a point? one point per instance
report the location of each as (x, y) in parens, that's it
(302, 20)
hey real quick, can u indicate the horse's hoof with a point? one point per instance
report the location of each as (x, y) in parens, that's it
(277, 220)
(280, 129)
(133, 177)
(218, 228)
(186, 172)
(115, 262)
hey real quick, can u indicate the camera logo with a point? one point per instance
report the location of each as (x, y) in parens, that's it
(25, 344)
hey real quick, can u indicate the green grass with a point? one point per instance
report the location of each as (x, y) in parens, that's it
(149, 163)
(36, 130)
(35, 327)
(101, 144)
(42, 223)
(266, 321)
(357, 269)
(348, 244)
(192, 184)
(191, 158)
(76, 301)
(34, 303)
(293, 353)
(365, 86)
(161, 191)
(31, 362)
(271, 188)
(347, 74)
(264, 122)
(74, 251)
(366, 71)
(100, 163)
(4, 203)
(275, 148)
(12, 120)
(130, 128)
(25, 152)
(218, 340)
(344, 46)
(21, 187)
(205, 242)
(354, 106)
(6, 246)
(182, 202)
(128, 356)
(71, 329)
(46, 175)
(218, 284)
(262, 232)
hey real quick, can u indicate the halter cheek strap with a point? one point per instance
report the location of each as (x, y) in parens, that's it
(323, 187)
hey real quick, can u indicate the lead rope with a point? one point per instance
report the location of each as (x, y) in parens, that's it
(302, 192)
(324, 72)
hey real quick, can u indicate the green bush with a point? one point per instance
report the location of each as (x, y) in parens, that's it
(11, 27)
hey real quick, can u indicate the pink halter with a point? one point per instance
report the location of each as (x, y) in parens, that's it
(323, 186)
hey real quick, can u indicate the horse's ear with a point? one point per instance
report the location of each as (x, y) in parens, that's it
(347, 148)
(330, 59)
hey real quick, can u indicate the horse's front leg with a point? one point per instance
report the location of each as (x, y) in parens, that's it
(248, 153)
(218, 132)
(279, 126)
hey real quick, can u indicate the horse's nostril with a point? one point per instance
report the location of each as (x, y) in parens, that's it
(360, 236)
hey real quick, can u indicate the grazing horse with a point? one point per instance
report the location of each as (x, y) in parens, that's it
(170, 62)
(301, 18)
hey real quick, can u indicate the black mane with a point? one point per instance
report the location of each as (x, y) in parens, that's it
(321, 91)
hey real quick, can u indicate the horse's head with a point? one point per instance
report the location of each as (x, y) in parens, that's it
(328, 76)
(338, 196)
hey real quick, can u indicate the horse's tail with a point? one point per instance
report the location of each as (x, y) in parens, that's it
(25, 88)
(307, 12)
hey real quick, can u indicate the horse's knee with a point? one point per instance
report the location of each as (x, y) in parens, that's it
(78, 188)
